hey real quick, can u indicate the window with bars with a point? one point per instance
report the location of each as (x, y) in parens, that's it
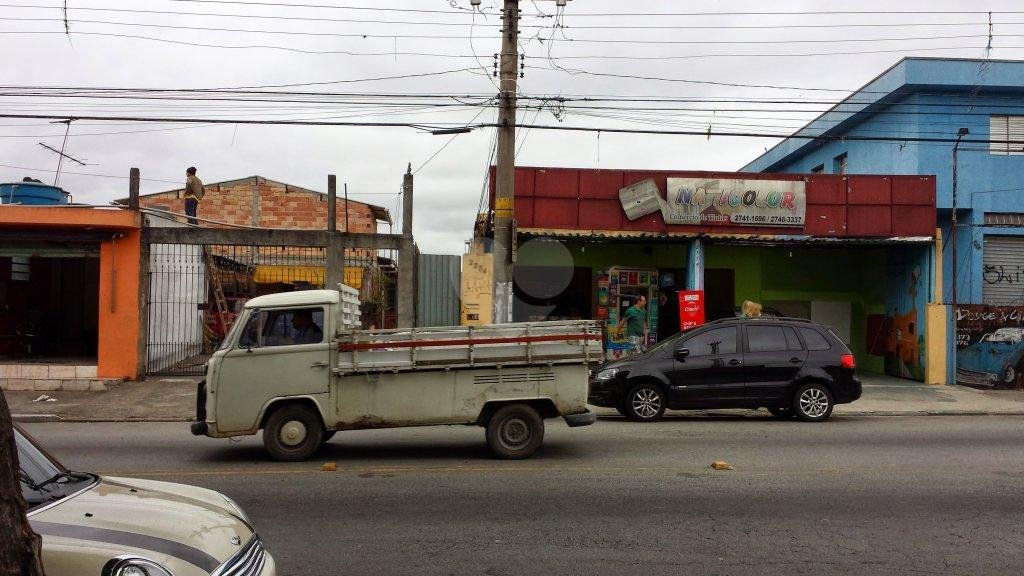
(840, 164)
(1008, 219)
(21, 269)
(1006, 135)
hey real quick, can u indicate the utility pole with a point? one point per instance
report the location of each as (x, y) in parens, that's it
(505, 177)
(953, 233)
(406, 301)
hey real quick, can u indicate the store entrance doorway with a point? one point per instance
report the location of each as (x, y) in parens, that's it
(719, 293)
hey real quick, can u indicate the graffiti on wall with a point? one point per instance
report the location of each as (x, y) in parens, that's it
(900, 331)
(990, 346)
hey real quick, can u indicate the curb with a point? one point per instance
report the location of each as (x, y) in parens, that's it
(36, 418)
(85, 420)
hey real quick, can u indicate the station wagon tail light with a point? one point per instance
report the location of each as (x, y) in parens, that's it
(848, 361)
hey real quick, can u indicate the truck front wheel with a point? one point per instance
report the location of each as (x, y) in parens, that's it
(292, 433)
(515, 431)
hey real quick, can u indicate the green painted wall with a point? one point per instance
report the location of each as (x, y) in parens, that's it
(767, 274)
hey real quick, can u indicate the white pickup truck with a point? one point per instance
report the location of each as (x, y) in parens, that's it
(290, 367)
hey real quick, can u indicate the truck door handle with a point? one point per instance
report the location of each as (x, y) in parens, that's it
(734, 362)
(318, 365)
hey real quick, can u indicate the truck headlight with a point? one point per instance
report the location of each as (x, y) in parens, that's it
(606, 374)
(238, 509)
(132, 566)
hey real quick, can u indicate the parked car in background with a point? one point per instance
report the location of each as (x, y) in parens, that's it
(792, 367)
(105, 526)
(996, 360)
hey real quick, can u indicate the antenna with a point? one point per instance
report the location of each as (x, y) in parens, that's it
(60, 153)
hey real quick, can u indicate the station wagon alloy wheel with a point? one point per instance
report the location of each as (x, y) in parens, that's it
(646, 402)
(813, 402)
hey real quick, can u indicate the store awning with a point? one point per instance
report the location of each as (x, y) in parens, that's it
(753, 239)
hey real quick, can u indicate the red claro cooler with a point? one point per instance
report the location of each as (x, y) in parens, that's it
(691, 308)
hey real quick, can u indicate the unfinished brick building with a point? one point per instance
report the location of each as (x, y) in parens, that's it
(261, 202)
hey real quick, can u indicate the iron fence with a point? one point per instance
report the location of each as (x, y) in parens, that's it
(197, 291)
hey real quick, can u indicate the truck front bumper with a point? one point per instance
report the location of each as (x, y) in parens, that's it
(582, 419)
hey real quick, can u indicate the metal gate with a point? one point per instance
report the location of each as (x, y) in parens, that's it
(196, 292)
(1003, 275)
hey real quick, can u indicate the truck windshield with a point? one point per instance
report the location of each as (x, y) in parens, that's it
(235, 329)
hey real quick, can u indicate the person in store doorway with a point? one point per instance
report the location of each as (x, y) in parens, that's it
(194, 192)
(635, 322)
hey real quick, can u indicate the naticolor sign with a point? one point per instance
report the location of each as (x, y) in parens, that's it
(736, 202)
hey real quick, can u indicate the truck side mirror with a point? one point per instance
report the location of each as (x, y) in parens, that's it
(682, 353)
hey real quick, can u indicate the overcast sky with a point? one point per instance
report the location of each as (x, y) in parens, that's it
(372, 160)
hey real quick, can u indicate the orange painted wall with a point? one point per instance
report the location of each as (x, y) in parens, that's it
(119, 304)
(68, 216)
(119, 308)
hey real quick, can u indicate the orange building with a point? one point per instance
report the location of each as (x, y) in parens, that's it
(69, 296)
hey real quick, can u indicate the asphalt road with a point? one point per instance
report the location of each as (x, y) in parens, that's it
(857, 495)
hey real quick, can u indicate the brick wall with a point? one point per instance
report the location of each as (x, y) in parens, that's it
(280, 206)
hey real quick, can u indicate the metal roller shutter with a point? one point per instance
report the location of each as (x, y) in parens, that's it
(1003, 276)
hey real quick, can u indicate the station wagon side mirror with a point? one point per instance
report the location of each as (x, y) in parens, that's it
(682, 353)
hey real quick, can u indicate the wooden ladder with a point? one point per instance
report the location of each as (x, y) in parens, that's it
(218, 289)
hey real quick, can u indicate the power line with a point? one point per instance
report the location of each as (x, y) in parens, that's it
(320, 19)
(846, 137)
(552, 39)
(324, 6)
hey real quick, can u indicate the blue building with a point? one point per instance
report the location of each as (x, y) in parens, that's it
(920, 106)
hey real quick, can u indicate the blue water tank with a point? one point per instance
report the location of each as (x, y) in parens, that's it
(32, 194)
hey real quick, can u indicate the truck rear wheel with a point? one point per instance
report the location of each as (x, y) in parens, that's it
(515, 431)
(292, 433)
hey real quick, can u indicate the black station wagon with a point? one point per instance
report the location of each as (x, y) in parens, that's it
(792, 367)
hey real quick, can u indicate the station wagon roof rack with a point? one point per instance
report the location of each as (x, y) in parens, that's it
(765, 318)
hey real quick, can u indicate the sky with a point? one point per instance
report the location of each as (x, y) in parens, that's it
(663, 49)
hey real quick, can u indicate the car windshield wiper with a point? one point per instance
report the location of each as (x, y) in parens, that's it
(69, 475)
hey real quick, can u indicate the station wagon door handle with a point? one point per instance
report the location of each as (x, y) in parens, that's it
(795, 360)
(734, 362)
(318, 365)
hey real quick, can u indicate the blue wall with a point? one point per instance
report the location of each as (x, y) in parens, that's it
(928, 98)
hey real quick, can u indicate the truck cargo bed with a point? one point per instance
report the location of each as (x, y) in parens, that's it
(460, 347)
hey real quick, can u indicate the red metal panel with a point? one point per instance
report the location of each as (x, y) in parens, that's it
(918, 190)
(651, 223)
(660, 179)
(826, 189)
(866, 220)
(600, 214)
(524, 212)
(525, 178)
(603, 184)
(825, 220)
(557, 183)
(558, 213)
(913, 221)
(869, 190)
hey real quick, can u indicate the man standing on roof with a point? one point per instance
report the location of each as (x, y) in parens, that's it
(194, 192)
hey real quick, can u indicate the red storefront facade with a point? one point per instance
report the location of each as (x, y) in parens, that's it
(860, 257)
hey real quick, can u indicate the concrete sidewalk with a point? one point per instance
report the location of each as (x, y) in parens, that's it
(173, 400)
